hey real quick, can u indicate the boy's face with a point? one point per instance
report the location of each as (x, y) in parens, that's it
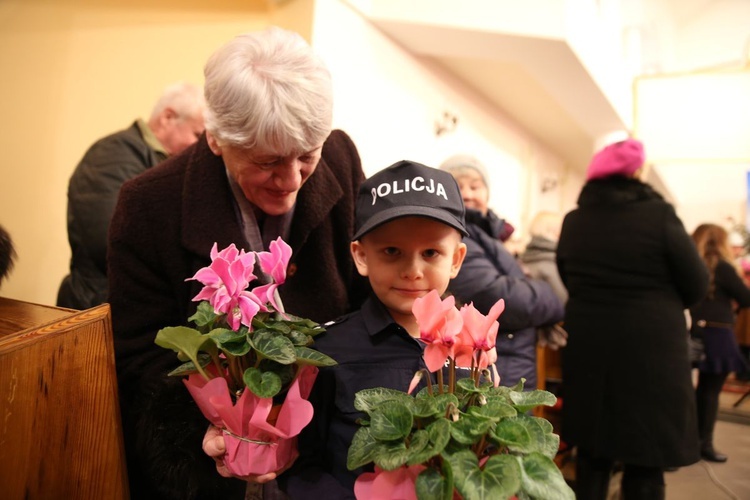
(406, 258)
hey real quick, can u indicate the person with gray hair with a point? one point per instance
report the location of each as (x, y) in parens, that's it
(491, 272)
(176, 122)
(268, 166)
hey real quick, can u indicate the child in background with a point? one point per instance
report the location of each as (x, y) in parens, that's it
(407, 242)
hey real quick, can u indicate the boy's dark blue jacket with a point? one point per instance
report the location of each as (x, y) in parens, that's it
(371, 351)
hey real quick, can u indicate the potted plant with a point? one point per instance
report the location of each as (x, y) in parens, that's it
(249, 364)
(457, 438)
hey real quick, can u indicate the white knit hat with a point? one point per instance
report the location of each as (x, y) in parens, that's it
(458, 163)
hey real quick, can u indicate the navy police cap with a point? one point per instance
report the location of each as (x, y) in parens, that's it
(406, 189)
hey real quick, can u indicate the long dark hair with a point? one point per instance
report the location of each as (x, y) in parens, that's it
(712, 242)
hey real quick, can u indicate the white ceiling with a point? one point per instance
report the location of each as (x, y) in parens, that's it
(541, 83)
(537, 82)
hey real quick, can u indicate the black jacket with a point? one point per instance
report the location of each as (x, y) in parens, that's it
(92, 194)
(631, 270)
(164, 226)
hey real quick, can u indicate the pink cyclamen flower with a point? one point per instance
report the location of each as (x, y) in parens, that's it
(225, 281)
(479, 335)
(439, 325)
(388, 484)
(275, 264)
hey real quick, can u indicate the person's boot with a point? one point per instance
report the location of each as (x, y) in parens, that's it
(642, 489)
(592, 479)
(709, 454)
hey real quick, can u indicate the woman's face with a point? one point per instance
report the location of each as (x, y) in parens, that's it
(268, 179)
(473, 189)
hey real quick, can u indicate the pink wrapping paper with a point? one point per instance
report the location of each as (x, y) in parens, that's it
(397, 484)
(263, 447)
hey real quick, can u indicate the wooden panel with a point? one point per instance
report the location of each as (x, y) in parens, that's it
(17, 316)
(60, 430)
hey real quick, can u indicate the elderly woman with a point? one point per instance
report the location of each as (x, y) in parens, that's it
(268, 166)
(630, 270)
(490, 272)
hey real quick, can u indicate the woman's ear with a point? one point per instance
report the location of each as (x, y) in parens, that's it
(458, 258)
(213, 144)
(360, 257)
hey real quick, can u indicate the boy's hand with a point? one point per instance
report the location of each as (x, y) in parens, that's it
(214, 447)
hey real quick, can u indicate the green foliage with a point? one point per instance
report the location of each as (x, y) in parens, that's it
(478, 440)
(262, 359)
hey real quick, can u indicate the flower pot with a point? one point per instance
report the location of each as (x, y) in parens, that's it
(260, 437)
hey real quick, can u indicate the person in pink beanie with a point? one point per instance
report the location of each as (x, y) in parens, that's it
(631, 270)
(621, 158)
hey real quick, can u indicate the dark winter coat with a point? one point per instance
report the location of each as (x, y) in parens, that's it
(490, 273)
(164, 226)
(631, 270)
(92, 194)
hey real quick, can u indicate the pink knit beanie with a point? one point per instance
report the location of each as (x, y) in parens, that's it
(620, 158)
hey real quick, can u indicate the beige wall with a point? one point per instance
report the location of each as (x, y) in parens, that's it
(80, 69)
(75, 70)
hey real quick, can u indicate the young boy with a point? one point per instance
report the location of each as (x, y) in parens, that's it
(407, 242)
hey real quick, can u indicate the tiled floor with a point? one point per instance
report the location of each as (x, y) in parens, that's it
(730, 480)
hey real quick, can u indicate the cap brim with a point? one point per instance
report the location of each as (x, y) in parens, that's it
(390, 214)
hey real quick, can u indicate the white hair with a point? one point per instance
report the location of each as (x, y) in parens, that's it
(183, 98)
(268, 89)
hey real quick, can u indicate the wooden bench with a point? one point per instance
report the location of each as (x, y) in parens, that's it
(60, 430)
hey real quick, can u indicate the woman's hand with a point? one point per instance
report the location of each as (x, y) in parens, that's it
(215, 447)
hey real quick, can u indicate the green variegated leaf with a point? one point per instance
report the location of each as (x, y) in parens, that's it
(541, 479)
(368, 399)
(273, 346)
(391, 455)
(495, 408)
(525, 401)
(432, 485)
(544, 424)
(467, 385)
(417, 446)
(426, 407)
(263, 384)
(363, 449)
(440, 433)
(520, 434)
(501, 393)
(225, 335)
(230, 341)
(279, 327)
(204, 316)
(469, 429)
(307, 356)
(551, 445)
(424, 392)
(445, 400)
(189, 367)
(499, 478)
(390, 421)
(519, 385)
(300, 339)
(421, 448)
